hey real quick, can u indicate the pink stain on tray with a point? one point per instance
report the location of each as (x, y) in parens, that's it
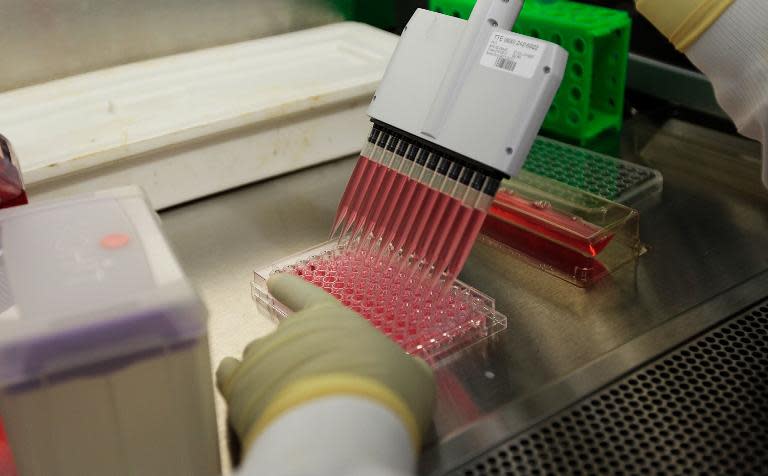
(415, 316)
(7, 466)
(12, 191)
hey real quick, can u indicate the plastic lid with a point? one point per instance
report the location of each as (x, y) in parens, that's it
(88, 281)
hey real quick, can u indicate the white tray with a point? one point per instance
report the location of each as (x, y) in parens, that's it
(194, 124)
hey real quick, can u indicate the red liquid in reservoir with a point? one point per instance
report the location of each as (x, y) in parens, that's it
(549, 223)
(566, 248)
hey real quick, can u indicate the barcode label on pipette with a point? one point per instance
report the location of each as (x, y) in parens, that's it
(506, 63)
(513, 53)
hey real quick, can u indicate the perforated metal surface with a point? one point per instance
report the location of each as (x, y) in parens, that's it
(700, 409)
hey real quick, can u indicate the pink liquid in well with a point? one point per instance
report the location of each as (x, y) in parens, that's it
(416, 317)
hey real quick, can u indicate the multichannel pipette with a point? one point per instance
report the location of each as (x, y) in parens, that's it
(457, 111)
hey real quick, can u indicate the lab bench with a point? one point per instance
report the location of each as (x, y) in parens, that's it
(707, 261)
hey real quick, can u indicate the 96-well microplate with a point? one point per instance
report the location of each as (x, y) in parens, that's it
(430, 322)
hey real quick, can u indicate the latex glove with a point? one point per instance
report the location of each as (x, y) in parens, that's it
(683, 21)
(324, 349)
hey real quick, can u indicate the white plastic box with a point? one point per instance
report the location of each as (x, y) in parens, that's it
(104, 361)
(193, 124)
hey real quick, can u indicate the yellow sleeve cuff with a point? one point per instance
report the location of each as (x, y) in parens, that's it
(683, 21)
(306, 390)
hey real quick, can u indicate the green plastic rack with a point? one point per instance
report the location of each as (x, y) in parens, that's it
(590, 102)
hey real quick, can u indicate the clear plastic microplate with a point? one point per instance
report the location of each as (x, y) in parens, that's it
(430, 323)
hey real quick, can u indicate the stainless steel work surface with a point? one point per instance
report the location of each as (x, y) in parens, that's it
(706, 238)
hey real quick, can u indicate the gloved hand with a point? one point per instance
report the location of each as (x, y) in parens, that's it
(727, 40)
(324, 349)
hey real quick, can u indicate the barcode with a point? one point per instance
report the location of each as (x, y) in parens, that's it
(506, 63)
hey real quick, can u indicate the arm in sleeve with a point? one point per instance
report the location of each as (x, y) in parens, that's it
(326, 394)
(334, 436)
(728, 41)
